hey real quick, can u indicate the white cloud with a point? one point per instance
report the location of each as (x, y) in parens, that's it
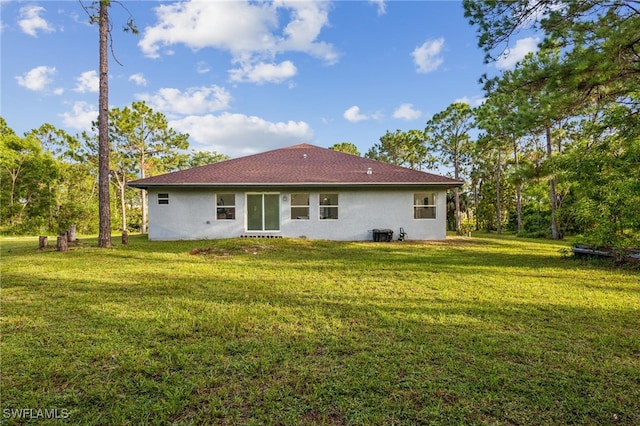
(234, 26)
(307, 20)
(195, 100)
(382, 7)
(239, 134)
(406, 112)
(87, 82)
(250, 31)
(427, 56)
(138, 78)
(474, 101)
(202, 67)
(80, 116)
(353, 115)
(263, 72)
(31, 22)
(37, 79)
(80, 19)
(512, 56)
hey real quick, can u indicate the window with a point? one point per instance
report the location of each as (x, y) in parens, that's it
(424, 205)
(299, 206)
(226, 206)
(163, 198)
(328, 206)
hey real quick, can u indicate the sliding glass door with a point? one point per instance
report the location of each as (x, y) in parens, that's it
(263, 212)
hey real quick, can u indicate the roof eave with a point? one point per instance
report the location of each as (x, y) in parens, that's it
(295, 184)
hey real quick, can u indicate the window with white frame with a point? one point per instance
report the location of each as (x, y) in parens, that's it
(299, 206)
(226, 206)
(328, 206)
(424, 205)
(163, 198)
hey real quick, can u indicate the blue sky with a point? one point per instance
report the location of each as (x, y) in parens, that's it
(245, 77)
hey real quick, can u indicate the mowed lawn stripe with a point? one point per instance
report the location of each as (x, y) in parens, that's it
(481, 330)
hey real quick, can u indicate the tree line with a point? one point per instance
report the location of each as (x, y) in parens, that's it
(556, 145)
(50, 178)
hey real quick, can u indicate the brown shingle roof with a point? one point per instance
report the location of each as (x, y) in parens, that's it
(297, 165)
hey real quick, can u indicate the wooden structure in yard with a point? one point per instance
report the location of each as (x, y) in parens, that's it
(62, 242)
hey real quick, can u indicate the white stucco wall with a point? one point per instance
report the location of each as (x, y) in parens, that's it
(190, 214)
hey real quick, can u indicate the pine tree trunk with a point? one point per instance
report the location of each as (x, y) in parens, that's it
(458, 221)
(456, 166)
(518, 186)
(498, 203)
(555, 234)
(143, 193)
(123, 206)
(51, 205)
(477, 188)
(104, 210)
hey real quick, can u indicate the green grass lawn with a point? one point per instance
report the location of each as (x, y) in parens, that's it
(480, 330)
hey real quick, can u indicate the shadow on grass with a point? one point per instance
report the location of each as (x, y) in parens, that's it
(343, 333)
(259, 355)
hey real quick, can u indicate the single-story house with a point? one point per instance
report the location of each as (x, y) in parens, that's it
(302, 191)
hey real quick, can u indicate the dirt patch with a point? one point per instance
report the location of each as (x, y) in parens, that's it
(253, 249)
